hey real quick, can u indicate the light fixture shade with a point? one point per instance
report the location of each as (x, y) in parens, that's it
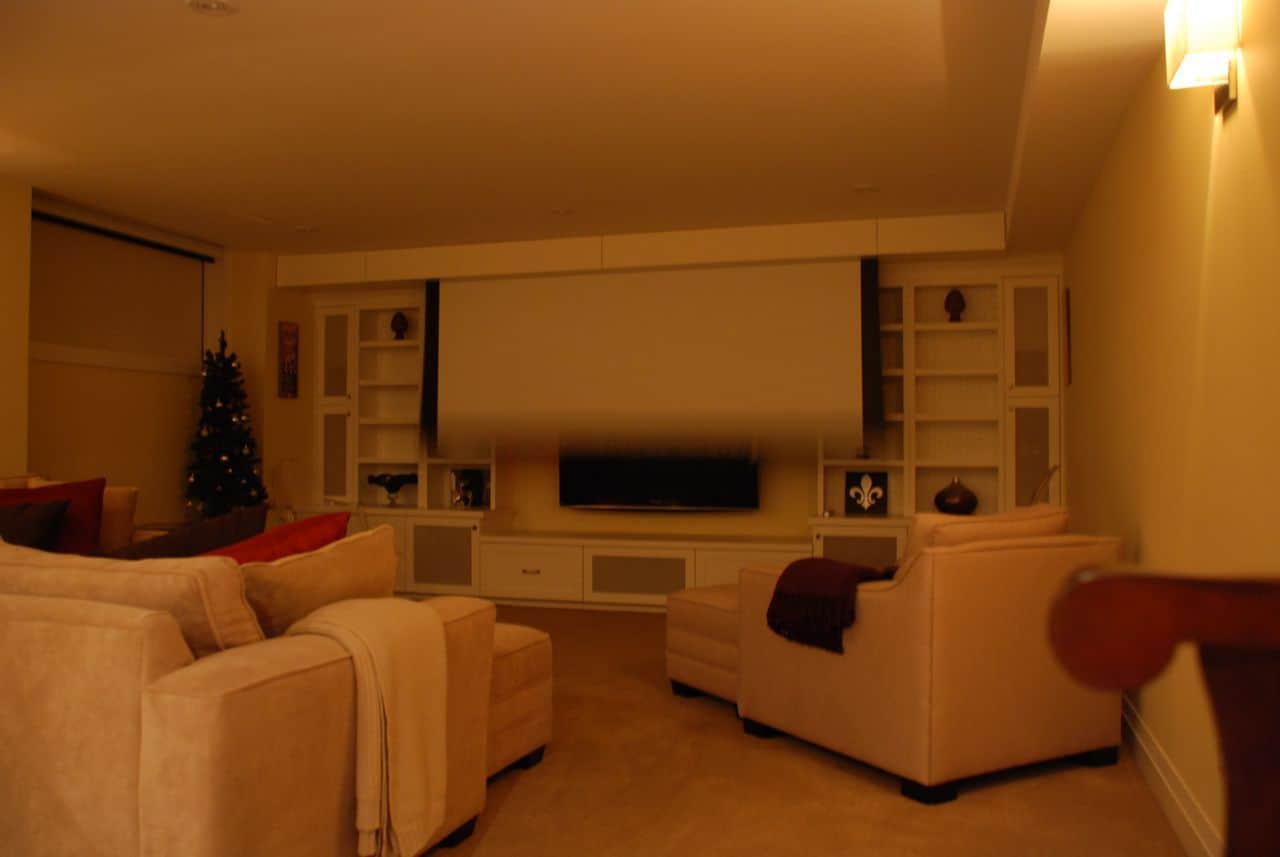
(1200, 39)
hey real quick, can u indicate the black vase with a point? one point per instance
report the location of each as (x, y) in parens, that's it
(956, 499)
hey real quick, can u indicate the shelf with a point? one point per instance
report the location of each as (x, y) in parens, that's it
(389, 343)
(955, 373)
(408, 462)
(958, 327)
(862, 462)
(957, 419)
(388, 421)
(956, 466)
(389, 384)
(473, 462)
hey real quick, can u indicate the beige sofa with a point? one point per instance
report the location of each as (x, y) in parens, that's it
(947, 672)
(116, 739)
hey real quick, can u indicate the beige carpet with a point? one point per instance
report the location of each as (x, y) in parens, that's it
(634, 770)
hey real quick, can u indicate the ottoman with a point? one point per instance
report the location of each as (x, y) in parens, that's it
(519, 698)
(702, 641)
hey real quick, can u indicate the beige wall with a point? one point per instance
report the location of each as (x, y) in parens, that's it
(251, 308)
(1175, 300)
(15, 291)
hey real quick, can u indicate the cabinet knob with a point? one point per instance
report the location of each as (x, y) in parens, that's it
(531, 571)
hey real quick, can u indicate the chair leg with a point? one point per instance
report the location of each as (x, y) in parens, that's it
(756, 729)
(460, 835)
(679, 688)
(929, 795)
(1103, 757)
(529, 760)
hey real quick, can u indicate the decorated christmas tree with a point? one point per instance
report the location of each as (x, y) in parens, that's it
(223, 473)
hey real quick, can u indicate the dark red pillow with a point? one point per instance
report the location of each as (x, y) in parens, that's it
(81, 523)
(288, 539)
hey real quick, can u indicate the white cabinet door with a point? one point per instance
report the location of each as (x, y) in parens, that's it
(635, 575)
(443, 556)
(718, 566)
(550, 572)
(1031, 336)
(870, 544)
(1032, 452)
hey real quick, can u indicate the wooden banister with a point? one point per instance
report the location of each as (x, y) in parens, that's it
(1118, 631)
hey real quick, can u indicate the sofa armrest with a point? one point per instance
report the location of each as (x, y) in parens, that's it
(468, 632)
(73, 674)
(252, 751)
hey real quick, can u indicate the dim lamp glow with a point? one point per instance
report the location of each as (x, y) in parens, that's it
(1200, 40)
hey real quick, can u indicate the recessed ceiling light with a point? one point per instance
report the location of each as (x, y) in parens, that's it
(219, 8)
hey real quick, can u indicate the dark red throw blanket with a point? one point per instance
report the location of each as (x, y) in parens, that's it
(815, 600)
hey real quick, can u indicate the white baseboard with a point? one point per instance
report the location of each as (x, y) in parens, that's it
(1199, 836)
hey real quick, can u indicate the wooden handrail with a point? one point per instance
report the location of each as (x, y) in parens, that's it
(1118, 630)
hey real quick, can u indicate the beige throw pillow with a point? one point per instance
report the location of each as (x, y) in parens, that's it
(284, 591)
(929, 529)
(204, 594)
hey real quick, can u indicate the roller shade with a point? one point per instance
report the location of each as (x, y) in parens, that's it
(757, 350)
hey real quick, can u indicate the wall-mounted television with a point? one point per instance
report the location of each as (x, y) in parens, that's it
(659, 482)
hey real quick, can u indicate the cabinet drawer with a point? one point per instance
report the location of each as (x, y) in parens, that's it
(532, 571)
(716, 566)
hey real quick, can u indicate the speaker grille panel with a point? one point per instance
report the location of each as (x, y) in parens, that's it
(637, 575)
(875, 551)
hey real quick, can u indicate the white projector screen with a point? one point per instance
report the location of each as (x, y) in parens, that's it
(758, 350)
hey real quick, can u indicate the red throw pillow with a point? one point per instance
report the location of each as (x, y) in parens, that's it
(288, 539)
(82, 522)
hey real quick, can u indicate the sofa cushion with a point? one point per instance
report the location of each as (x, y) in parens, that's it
(200, 537)
(32, 525)
(295, 537)
(286, 590)
(205, 595)
(119, 504)
(81, 523)
(937, 530)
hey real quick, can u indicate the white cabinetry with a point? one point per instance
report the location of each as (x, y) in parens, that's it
(623, 571)
(717, 566)
(531, 570)
(978, 399)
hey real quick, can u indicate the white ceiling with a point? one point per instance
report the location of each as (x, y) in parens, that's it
(332, 125)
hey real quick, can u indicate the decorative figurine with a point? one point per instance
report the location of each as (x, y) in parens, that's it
(954, 305)
(399, 324)
(956, 499)
(392, 483)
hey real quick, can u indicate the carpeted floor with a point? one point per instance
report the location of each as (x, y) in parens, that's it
(634, 770)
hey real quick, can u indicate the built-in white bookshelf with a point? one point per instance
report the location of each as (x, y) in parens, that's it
(975, 399)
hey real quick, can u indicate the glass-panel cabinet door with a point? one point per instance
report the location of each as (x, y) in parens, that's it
(1031, 335)
(335, 359)
(1034, 453)
(335, 457)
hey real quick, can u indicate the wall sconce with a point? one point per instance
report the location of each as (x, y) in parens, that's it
(1200, 41)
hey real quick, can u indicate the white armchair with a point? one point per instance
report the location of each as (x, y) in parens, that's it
(947, 671)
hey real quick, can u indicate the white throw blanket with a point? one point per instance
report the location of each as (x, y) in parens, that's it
(398, 649)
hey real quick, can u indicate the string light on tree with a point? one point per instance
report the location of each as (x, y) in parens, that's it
(223, 473)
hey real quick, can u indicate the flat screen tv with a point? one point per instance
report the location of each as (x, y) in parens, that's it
(660, 483)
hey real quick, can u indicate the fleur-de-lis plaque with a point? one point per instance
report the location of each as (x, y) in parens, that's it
(866, 492)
